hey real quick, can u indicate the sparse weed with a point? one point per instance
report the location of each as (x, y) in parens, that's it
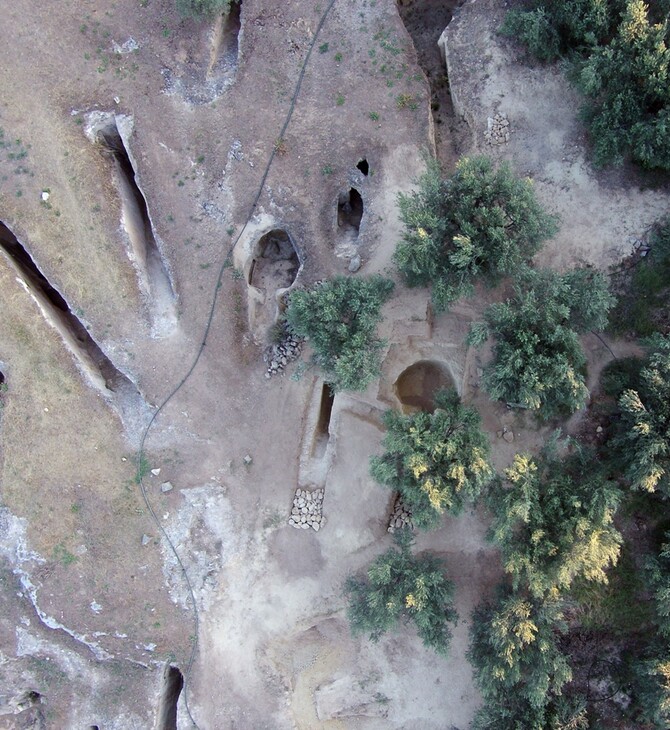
(143, 467)
(280, 147)
(406, 101)
(63, 555)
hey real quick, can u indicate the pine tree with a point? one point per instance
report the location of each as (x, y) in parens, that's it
(437, 461)
(642, 442)
(538, 360)
(340, 317)
(554, 522)
(651, 688)
(658, 576)
(629, 83)
(480, 222)
(516, 660)
(402, 587)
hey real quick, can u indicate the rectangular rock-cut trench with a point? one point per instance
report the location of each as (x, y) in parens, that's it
(154, 277)
(92, 361)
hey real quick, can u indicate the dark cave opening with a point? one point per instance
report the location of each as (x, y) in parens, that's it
(350, 210)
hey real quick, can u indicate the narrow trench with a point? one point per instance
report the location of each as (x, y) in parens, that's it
(225, 46)
(173, 683)
(92, 360)
(322, 432)
(425, 21)
(231, 34)
(137, 224)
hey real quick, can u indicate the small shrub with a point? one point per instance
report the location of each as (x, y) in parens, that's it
(620, 375)
(534, 30)
(643, 289)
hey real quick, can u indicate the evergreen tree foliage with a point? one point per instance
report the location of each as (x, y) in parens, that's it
(621, 62)
(509, 712)
(658, 576)
(204, 8)
(538, 360)
(643, 290)
(400, 586)
(517, 663)
(340, 318)
(554, 523)
(651, 689)
(643, 439)
(553, 28)
(629, 82)
(481, 222)
(437, 461)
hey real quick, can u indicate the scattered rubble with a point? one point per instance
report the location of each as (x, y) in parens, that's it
(401, 516)
(498, 130)
(505, 435)
(278, 356)
(307, 510)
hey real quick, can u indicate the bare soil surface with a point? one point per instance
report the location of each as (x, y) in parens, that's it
(93, 601)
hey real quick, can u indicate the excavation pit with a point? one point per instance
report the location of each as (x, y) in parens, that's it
(417, 386)
(275, 263)
(363, 166)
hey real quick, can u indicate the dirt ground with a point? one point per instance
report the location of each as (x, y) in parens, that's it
(93, 601)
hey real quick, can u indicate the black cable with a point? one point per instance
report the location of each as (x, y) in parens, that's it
(225, 264)
(593, 332)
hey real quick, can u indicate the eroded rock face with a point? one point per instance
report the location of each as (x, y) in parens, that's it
(58, 670)
(207, 535)
(348, 697)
